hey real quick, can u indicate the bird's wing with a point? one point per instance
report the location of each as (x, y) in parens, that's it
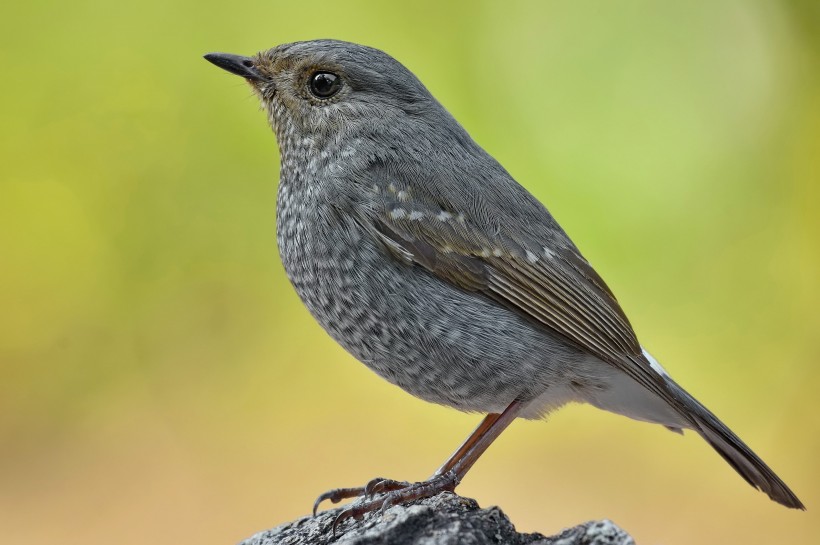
(543, 277)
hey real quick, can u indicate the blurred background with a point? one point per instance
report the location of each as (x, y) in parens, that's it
(161, 383)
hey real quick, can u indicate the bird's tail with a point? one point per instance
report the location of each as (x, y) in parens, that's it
(733, 450)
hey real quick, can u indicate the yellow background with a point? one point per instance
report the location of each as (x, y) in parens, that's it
(161, 383)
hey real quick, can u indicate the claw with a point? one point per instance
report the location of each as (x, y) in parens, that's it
(336, 495)
(354, 512)
(318, 502)
(370, 487)
(339, 518)
(388, 502)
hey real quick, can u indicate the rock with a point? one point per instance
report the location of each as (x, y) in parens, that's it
(446, 519)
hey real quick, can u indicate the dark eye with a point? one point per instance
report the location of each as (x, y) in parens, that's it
(324, 84)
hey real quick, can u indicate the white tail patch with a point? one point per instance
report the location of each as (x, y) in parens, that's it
(654, 363)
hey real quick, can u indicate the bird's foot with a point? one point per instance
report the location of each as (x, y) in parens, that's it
(375, 486)
(391, 493)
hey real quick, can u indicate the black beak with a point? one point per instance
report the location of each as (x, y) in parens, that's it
(235, 64)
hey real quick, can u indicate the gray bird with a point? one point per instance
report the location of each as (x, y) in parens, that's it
(429, 263)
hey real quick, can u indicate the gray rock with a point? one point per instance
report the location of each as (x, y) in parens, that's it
(446, 519)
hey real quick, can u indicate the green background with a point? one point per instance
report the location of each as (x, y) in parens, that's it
(161, 383)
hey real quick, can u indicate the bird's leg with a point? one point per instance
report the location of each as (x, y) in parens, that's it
(465, 447)
(446, 478)
(380, 485)
(484, 438)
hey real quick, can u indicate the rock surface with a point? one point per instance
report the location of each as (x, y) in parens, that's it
(446, 519)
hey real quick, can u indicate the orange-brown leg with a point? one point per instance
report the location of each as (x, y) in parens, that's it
(380, 484)
(477, 434)
(446, 478)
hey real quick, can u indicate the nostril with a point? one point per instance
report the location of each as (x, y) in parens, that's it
(247, 63)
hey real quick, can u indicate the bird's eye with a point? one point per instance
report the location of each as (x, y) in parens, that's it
(324, 84)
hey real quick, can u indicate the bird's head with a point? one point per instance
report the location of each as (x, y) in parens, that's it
(327, 87)
(334, 90)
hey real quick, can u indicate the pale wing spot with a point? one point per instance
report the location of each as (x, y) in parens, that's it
(498, 252)
(531, 257)
(416, 215)
(444, 216)
(548, 253)
(398, 213)
(485, 252)
(460, 218)
(402, 195)
(391, 187)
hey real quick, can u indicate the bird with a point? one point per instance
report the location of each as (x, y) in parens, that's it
(424, 259)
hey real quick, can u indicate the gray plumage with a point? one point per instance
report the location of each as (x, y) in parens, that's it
(424, 259)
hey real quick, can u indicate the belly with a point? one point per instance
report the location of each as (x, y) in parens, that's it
(434, 340)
